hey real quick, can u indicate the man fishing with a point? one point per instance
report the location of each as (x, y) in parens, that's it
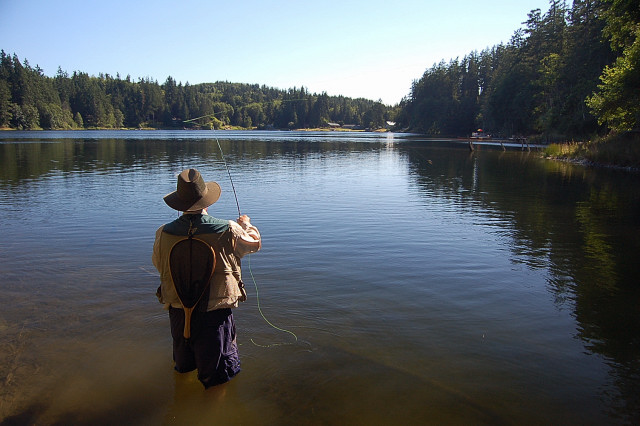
(198, 258)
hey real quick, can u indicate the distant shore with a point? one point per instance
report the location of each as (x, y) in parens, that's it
(620, 151)
(310, 129)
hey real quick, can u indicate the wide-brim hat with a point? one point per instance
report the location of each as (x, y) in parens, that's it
(192, 192)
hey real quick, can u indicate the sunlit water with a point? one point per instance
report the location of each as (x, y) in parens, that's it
(402, 281)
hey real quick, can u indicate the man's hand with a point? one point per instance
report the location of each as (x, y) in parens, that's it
(244, 221)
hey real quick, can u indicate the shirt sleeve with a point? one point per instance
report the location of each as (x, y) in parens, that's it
(155, 257)
(247, 238)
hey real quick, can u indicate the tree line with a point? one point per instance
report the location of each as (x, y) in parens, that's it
(31, 100)
(571, 72)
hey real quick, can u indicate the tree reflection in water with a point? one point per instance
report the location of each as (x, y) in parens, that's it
(582, 224)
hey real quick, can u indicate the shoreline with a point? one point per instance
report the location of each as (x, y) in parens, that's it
(611, 147)
(593, 164)
(305, 129)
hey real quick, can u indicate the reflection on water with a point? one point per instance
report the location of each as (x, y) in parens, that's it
(425, 283)
(583, 227)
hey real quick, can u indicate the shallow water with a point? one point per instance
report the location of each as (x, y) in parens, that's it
(417, 282)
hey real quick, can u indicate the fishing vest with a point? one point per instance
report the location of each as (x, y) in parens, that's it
(226, 288)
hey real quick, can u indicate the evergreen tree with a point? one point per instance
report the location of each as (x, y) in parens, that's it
(29, 100)
(319, 112)
(5, 104)
(537, 83)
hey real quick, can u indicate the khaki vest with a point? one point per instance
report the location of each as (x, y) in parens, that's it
(226, 284)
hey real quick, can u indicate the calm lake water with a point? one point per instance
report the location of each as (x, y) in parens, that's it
(404, 280)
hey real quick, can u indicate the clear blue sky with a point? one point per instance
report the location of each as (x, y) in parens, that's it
(372, 49)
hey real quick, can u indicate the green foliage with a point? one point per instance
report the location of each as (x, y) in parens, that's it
(622, 18)
(78, 120)
(619, 149)
(5, 104)
(53, 116)
(30, 100)
(564, 150)
(534, 85)
(31, 117)
(617, 101)
(17, 117)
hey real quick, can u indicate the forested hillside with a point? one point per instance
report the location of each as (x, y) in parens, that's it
(31, 100)
(546, 81)
(570, 73)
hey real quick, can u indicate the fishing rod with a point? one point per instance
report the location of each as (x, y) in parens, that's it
(249, 261)
(230, 179)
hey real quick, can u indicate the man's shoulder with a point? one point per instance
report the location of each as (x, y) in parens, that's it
(214, 221)
(205, 224)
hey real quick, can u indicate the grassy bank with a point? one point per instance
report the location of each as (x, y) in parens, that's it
(619, 150)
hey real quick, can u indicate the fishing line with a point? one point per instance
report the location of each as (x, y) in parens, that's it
(249, 264)
(260, 310)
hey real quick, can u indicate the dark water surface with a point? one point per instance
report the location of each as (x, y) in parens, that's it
(425, 284)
